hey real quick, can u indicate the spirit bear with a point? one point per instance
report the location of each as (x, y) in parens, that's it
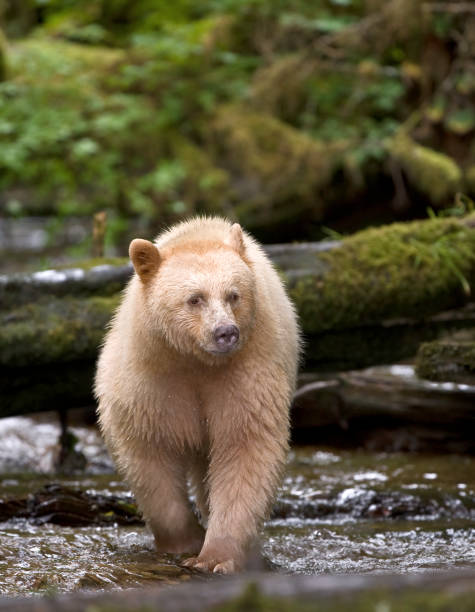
(194, 384)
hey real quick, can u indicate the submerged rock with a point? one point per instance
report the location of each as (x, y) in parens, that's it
(61, 505)
(338, 512)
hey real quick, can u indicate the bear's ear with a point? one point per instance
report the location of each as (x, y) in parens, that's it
(145, 257)
(236, 239)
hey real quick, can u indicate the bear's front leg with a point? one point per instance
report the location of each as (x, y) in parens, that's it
(159, 485)
(245, 468)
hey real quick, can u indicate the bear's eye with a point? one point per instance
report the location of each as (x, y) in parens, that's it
(233, 297)
(195, 300)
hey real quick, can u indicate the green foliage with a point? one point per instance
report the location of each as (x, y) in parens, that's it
(114, 104)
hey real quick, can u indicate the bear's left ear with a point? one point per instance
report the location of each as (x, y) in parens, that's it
(145, 257)
(236, 239)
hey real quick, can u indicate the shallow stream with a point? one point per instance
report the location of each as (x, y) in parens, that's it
(338, 512)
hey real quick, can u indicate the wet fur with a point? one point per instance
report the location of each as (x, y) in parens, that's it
(172, 412)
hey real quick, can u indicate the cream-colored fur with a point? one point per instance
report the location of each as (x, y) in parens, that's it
(174, 410)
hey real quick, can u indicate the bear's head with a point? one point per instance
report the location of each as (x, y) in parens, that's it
(199, 295)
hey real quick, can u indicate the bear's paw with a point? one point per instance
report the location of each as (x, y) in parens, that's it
(217, 566)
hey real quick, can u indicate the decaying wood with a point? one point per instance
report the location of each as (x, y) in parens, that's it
(248, 588)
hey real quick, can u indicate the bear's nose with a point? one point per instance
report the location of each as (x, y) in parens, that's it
(226, 336)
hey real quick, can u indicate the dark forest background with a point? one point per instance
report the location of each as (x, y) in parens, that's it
(292, 116)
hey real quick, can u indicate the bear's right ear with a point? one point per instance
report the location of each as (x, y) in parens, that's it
(236, 239)
(145, 257)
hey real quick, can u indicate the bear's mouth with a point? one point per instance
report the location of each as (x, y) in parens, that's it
(224, 350)
(216, 350)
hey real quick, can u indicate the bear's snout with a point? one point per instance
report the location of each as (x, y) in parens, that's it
(226, 337)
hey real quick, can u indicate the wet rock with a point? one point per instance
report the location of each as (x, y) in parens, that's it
(31, 445)
(61, 505)
(359, 503)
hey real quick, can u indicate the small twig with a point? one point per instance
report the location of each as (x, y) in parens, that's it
(98, 233)
(401, 199)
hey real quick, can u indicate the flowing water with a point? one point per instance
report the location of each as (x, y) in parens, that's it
(338, 512)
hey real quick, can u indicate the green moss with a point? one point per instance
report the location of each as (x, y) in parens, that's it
(397, 600)
(54, 330)
(447, 360)
(398, 271)
(253, 600)
(276, 170)
(434, 174)
(93, 262)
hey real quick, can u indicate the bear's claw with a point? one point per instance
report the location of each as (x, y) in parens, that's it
(227, 566)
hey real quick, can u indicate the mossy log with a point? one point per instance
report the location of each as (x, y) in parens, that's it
(356, 299)
(432, 173)
(447, 361)
(385, 408)
(401, 271)
(276, 171)
(275, 592)
(92, 277)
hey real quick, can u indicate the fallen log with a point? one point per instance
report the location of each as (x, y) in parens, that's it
(370, 298)
(385, 408)
(261, 591)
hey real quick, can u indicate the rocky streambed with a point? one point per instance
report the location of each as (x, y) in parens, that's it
(383, 478)
(338, 512)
